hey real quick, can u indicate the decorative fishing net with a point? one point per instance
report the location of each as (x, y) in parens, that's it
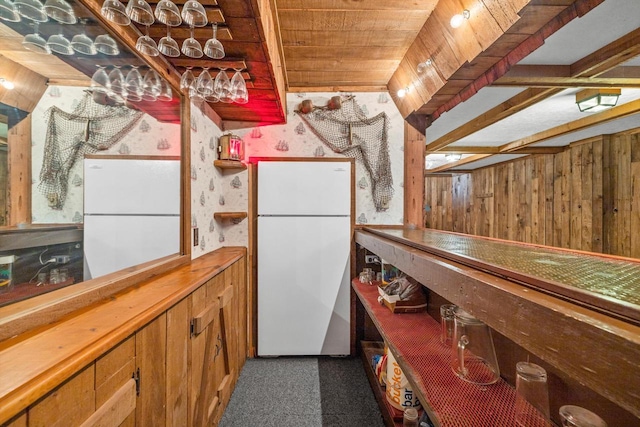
(348, 131)
(90, 128)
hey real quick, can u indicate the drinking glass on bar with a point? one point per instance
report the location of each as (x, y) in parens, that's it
(532, 395)
(446, 323)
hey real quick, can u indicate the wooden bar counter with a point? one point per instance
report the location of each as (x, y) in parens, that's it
(135, 358)
(597, 348)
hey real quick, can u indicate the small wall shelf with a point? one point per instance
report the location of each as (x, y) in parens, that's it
(235, 217)
(229, 164)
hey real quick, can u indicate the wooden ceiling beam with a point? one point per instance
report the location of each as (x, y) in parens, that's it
(459, 149)
(618, 112)
(511, 106)
(466, 160)
(608, 57)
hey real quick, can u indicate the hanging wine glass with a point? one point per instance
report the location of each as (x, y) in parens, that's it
(146, 45)
(8, 11)
(105, 44)
(186, 80)
(139, 11)
(166, 94)
(61, 11)
(31, 9)
(168, 13)
(191, 47)
(115, 11)
(81, 43)
(213, 48)
(133, 85)
(193, 14)
(204, 84)
(117, 81)
(151, 85)
(222, 86)
(239, 91)
(58, 43)
(100, 81)
(35, 42)
(168, 46)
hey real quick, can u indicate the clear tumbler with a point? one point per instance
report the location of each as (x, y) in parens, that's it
(575, 416)
(532, 395)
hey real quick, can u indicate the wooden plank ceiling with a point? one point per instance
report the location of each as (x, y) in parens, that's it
(338, 45)
(347, 45)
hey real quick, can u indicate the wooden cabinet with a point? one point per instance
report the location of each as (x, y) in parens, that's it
(176, 366)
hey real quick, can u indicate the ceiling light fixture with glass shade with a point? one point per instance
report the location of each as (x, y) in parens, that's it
(594, 100)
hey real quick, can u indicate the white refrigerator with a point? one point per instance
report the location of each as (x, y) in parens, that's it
(304, 241)
(131, 212)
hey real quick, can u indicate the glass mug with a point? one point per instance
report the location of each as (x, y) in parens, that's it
(446, 323)
(473, 355)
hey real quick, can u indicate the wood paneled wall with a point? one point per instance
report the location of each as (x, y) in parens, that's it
(586, 198)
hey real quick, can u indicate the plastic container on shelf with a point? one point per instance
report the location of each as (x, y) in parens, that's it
(6, 272)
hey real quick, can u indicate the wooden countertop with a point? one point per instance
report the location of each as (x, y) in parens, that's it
(606, 283)
(34, 363)
(599, 350)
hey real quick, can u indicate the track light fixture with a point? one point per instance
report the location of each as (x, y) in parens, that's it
(458, 19)
(7, 84)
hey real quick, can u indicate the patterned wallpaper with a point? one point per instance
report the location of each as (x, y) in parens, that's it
(217, 191)
(214, 190)
(148, 137)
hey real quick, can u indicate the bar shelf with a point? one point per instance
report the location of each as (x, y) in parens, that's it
(414, 340)
(229, 164)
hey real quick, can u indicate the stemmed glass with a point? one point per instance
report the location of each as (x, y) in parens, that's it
(151, 85)
(204, 84)
(239, 91)
(106, 44)
(187, 80)
(146, 45)
(100, 81)
(117, 82)
(133, 85)
(35, 42)
(213, 48)
(58, 43)
(222, 86)
(168, 13)
(166, 94)
(81, 43)
(193, 14)
(115, 11)
(140, 12)
(31, 9)
(168, 46)
(8, 11)
(60, 11)
(191, 47)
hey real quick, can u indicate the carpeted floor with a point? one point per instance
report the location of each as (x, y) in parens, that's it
(301, 392)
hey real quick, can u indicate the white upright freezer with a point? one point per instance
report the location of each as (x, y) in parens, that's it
(304, 241)
(131, 213)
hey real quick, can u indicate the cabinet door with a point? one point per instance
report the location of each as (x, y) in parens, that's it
(178, 319)
(151, 344)
(205, 344)
(115, 393)
(69, 404)
(235, 276)
(17, 421)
